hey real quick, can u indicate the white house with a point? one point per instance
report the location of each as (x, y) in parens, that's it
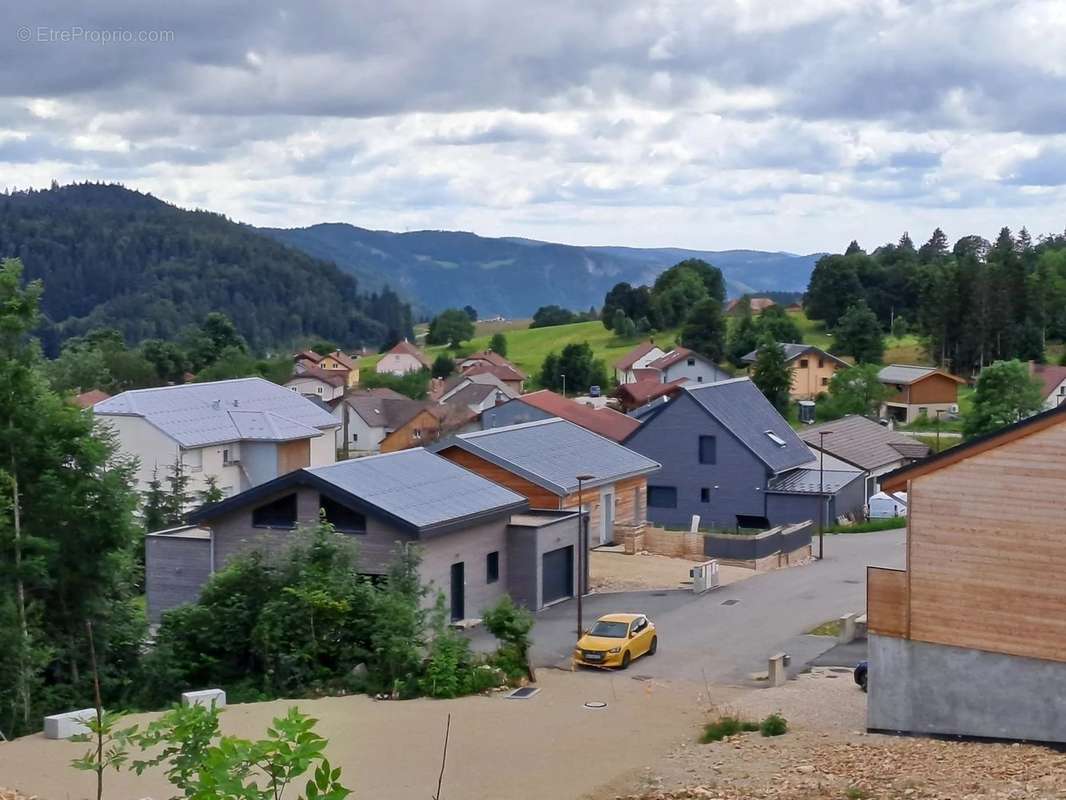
(322, 383)
(625, 369)
(402, 359)
(1053, 383)
(242, 432)
(368, 417)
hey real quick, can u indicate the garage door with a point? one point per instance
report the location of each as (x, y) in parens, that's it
(557, 575)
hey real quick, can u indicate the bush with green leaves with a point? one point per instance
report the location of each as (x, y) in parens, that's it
(511, 625)
(397, 637)
(773, 725)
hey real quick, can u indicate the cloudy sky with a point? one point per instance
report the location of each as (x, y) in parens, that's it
(772, 124)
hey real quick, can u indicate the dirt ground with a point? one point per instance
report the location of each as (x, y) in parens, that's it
(549, 746)
(613, 572)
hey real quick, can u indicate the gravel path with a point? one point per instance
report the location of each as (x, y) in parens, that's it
(610, 571)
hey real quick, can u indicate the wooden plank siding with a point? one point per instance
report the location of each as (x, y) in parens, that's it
(421, 428)
(294, 455)
(886, 601)
(987, 550)
(936, 388)
(538, 497)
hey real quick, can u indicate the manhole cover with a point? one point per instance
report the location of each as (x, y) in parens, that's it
(524, 693)
(595, 704)
(730, 602)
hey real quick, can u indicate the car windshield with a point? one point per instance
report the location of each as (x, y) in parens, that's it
(613, 630)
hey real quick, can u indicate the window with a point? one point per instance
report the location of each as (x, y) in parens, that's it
(344, 519)
(705, 495)
(708, 450)
(417, 434)
(691, 362)
(318, 389)
(492, 567)
(639, 625)
(230, 455)
(773, 437)
(821, 363)
(699, 379)
(825, 381)
(803, 363)
(662, 496)
(279, 514)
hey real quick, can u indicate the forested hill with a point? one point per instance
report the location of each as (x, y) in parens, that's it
(513, 277)
(112, 257)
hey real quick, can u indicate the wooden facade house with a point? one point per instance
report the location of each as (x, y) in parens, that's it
(918, 391)
(970, 638)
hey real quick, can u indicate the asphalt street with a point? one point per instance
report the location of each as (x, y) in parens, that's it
(727, 634)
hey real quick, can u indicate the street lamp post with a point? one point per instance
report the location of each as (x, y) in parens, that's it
(821, 492)
(582, 537)
(563, 376)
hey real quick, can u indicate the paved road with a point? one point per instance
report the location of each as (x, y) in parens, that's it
(727, 634)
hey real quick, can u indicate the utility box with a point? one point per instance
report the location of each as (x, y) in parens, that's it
(705, 576)
(806, 412)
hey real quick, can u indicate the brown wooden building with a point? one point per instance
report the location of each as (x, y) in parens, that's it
(918, 391)
(542, 460)
(970, 638)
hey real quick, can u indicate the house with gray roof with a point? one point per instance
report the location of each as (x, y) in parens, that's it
(730, 458)
(542, 460)
(478, 540)
(918, 391)
(864, 444)
(240, 433)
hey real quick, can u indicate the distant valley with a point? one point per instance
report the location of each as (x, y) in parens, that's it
(513, 276)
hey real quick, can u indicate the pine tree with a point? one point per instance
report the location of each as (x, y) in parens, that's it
(153, 509)
(854, 248)
(178, 499)
(771, 373)
(743, 339)
(211, 493)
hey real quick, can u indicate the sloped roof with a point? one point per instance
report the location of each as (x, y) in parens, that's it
(495, 359)
(646, 374)
(646, 391)
(637, 353)
(864, 442)
(309, 355)
(333, 377)
(504, 372)
(909, 373)
(744, 411)
(812, 481)
(413, 488)
(675, 355)
(551, 453)
(90, 398)
(758, 304)
(473, 393)
(343, 358)
(794, 350)
(406, 348)
(1050, 376)
(604, 421)
(380, 411)
(199, 414)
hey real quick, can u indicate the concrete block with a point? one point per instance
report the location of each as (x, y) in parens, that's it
(63, 726)
(847, 628)
(205, 697)
(776, 674)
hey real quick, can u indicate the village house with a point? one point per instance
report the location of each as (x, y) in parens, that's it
(758, 305)
(402, 359)
(864, 444)
(541, 461)
(970, 638)
(478, 540)
(918, 392)
(431, 423)
(730, 458)
(240, 432)
(812, 369)
(625, 369)
(648, 362)
(476, 392)
(634, 396)
(488, 362)
(545, 404)
(324, 384)
(1052, 382)
(336, 363)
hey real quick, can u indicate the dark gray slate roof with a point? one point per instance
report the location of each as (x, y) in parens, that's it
(551, 453)
(198, 414)
(742, 409)
(418, 487)
(795, 350)
(863, 442)
(806, 481)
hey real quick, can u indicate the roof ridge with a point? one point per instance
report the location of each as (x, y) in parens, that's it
(175, 386)
(517, 425)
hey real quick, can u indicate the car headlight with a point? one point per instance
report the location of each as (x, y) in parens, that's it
(615, 651)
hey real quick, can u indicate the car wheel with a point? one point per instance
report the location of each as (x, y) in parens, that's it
(625, 660)
(654, 645)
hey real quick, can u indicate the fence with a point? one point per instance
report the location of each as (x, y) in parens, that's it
(776, 547)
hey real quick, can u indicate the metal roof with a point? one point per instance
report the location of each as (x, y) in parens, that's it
(746, 413)
(199, 414)
(903, 373)
(863, 442)
(794, 350)
(806, 481)
(551, 453)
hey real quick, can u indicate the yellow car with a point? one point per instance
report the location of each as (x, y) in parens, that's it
(615, 640)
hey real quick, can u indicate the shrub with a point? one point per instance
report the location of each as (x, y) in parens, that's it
(447, 670)
(773, 725)
(511, 625)
(725, 726)
(886, 524)
(398, 621)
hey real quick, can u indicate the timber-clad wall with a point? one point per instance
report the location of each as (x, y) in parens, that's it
(538, 497)
(934, 389)
(886, 601)
(987, 550)
(294, 455)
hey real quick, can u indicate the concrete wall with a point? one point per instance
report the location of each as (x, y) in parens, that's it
(323, 450)
(471, 548)
(176, 568)
(260, 461)
(528, 539)
(917, 687)
(512, 413)
(153, 448)
(362, 438)
(735, 483)
(398, 364)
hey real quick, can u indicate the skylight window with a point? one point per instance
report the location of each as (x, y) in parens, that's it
(776, 439)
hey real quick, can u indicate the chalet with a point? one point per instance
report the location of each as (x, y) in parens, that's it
(239, 432)
(488, 362)
(918, 391)
(366, 418)
(730, 458)
(812, 369)
(637, 358)
(402, 359)
(648, 362)
(864, 444)
(541, 461)
(341, 362)
(1052, 381)
(476, 392)
(478, 540)
(321, 383)
(546, 404)
(431, 423)
(758, 305)
(970, 638)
